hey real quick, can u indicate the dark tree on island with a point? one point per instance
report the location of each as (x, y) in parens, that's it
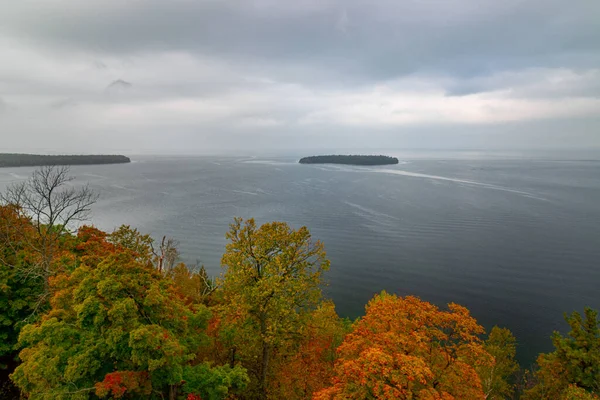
(350, 160)
(35, 160)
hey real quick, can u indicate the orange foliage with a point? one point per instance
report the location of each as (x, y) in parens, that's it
(16, 233)
(93, 246)
(573, 392)
(219, 351)
(310, 367)
(405, 348)
(307, 371)
(14, 226)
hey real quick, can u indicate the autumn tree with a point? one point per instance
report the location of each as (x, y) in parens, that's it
(322, 332)
(118, 329)
(405, 348)
(574, 366)
(131, 239)
(35, 221)
(193, 283)
(92, 245)
(53, 205)
(497, 378)
(574, 392)
(271, 283)
(19, 295)
(163, 257)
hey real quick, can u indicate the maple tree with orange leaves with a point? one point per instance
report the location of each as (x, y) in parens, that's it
(405, 348)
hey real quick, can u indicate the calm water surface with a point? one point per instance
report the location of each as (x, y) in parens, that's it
(517, 242)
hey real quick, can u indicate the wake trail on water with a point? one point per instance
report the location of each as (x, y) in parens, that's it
(17, 176)
(244, 192)
(267, 162)
(370, 211)
(457, 180)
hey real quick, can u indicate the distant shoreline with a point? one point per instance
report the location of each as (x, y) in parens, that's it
(350, 160)
(38, 160)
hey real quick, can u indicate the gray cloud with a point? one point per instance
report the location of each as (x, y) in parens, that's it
(382, 39)
(532, 83)
(318, 69)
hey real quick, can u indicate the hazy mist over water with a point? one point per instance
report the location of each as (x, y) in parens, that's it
(515, 240)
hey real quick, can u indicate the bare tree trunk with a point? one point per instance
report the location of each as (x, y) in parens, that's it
(168, 256)
(232, 359)
(172, 392)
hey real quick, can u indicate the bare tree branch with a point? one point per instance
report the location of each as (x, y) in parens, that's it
(168, 255)
(52, 204)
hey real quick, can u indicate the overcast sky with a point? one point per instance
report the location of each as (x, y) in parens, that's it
(202, 76)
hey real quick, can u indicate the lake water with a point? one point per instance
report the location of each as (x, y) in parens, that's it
(516, 241)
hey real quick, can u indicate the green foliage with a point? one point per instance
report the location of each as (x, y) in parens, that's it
(496, 379)
(18, 300)
(323, 332)
(580, 351)
(575, 363)
(272, 281)
(195, 286)
(213, 383)
(120, 316)
(131, 239)
(19, 293)
(576, 393)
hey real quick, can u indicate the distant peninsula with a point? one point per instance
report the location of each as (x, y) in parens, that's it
(37, 160)
(350, 160)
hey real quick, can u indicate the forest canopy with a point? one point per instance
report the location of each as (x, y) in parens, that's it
(350, 160)
(36, 160)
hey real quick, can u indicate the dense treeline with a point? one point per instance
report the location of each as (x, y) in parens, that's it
(90, 314)
(34, 160)
(350, 160)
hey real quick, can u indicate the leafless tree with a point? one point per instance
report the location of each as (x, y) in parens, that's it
(53, 205)
(49, 198)
(168, 255)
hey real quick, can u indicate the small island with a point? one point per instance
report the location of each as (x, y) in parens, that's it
(350, 160)
(38, 160)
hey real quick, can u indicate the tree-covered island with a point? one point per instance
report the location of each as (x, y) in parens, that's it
(350, 160)
(36, 160)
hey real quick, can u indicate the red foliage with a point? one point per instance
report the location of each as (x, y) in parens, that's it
(115, 384)
(93, 246)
